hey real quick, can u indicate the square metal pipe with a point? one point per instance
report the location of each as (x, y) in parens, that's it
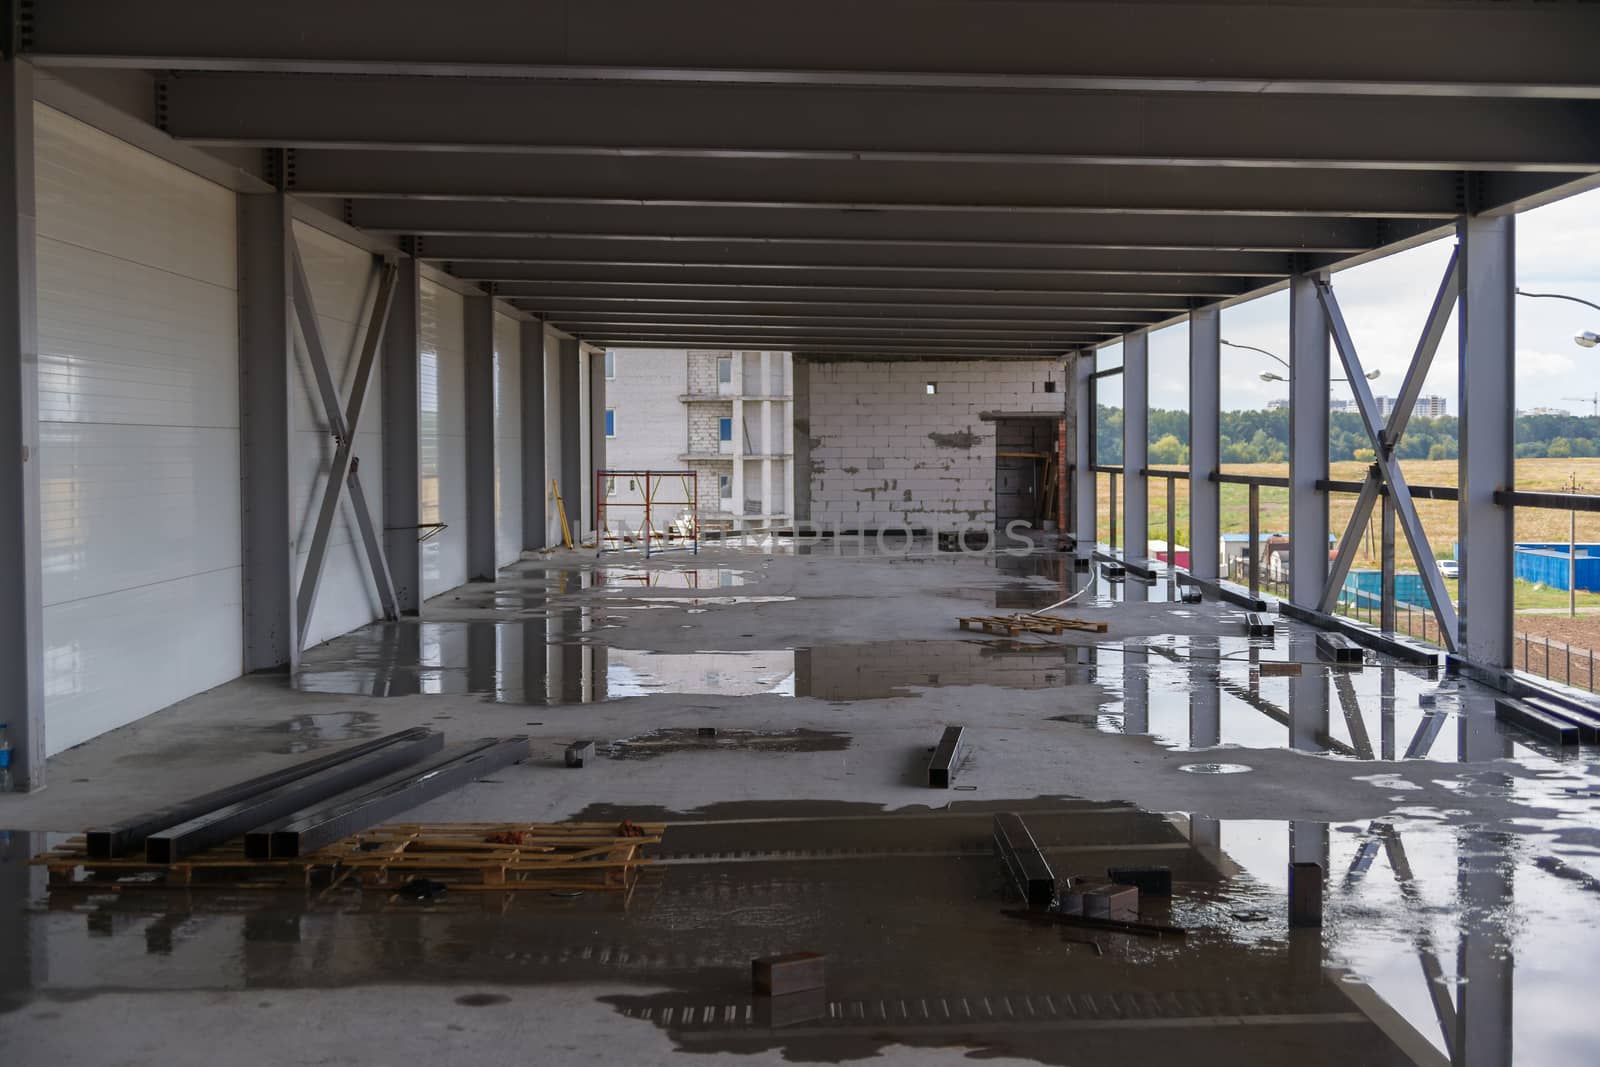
(21, 592)
(1308, 442)
(1205, 442)
(596, 362)
(570, 430)
(535, 481)
(402, 504)
(478, 338)
(1136, 444)
(1083, 494)
(1487, 429)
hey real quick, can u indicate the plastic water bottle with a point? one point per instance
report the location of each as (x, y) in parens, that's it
(5, 760)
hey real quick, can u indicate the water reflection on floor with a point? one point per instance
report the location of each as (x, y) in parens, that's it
(1440, 944)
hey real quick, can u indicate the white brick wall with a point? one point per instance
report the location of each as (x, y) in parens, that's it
(884, 453)
(650, 419)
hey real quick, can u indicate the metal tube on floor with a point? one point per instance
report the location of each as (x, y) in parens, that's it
(300, 833)
(216, 826)
(112, 841)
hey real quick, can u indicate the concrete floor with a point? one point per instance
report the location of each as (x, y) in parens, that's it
(805, 823)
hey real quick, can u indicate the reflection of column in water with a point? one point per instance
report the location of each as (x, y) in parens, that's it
(1135, 690)
(1308, 695)
(1205, 836)
(399, 672)
(599, 665)
(1386, 706)
(483, 657)
(1205, 693)
(23, 960)
(1484, 1005)
(1477, 735)
(802, 672)
(572, 658)
(535, 668)
(1134, 590)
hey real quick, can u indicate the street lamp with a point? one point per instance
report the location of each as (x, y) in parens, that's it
(1269, 376)
(1586, 339)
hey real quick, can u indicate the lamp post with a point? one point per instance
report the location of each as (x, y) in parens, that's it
(1269, 376)
(1586, 339)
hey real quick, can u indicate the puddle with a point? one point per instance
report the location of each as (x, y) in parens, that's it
(305, 733)
(676, 578)
(668, 742)
(1215, 768)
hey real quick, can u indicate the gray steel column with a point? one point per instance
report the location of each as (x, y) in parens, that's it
(597, 427)
(1386, 584)
(1205, 693)
(1486, 958)
(801, 467)
(1205, 441)
(402, 504)
(1082, 440)
(534, 480)
(1135, 445)
(1488, 437)
(266, 360)
(1308, 696)
(1308, 442)
(21, 561)
(478, 336)
(570, 365)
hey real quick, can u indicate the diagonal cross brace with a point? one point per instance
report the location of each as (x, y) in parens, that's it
(1421, 362)
(344, 423)
(1383, 438)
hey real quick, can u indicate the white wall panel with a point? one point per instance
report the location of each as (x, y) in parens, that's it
(139, 431)
(508, 439)
(343, 282)
(443, 434)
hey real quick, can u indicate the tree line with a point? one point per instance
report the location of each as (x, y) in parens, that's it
(1263, 437)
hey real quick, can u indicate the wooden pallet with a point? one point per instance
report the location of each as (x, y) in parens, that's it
(469, 856)
(1012, 625)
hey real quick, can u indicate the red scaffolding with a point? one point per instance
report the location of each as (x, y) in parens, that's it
(657, 511)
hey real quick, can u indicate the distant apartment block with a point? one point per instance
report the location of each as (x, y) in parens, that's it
(1426, 407)
(728, 416)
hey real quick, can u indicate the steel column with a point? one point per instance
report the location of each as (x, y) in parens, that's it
(266, 360)
(1205, 442)
(1308, 442)
(478, 337)
(1081, 437)
(1135, 445)
(1488, 437)
(1205, 693)
(569, 365)
(21, 562)
(535, 482)
(1386, 586)
(1486, 957)
(597, 431)
(402, 477)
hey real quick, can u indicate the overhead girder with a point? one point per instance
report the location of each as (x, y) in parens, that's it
(921, 125)
(838, 313)
(878, 185)
(693, 225)
(588, 324)
(1416, 47)
(913, 298)
(755, 255)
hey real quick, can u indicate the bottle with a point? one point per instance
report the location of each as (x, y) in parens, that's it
(5, 760)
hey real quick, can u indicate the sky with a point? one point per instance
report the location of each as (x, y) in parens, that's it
(1385, 303)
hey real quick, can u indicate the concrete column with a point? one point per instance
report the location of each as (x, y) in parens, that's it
(570, 430)
(266, 361)
(1308, 443)
(1135, 445)
(1487, 429)
(597, 430)
(1080, 407)
(478, 335)
(21, 567)
(1205, 441)
(402, 477)
(535, 482)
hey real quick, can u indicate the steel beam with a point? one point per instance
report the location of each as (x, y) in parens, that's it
(1308, 442)
(1023, 862)
(838, 185)
(588, 321)
(688, 338)
(536, 296)
(343, 424)
(1205, 442)
(1487, 437)
(478, 338)
(693, 227)
(1395, 487)
(614, 310)
(907, 123)
(535, 480)
(1136, 444)
(118, 839)
(21, 560)
(176, 841)
(1290, 48)
(402, 476)
(302, 832)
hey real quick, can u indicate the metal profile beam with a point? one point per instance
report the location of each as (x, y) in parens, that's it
(1390, 49)
(401, 414)
(1394, 480)
(1205, 442)
(1308, 442)
(690, 339)
(1444, 302)
(1081, 405)
(299, 833)
(536, 295)
(173, 842)
(911, 123)
(534, 478)
(21, 559)
(109, 842)
(1136, 444)
(342, 470)
(818, 326)
(865, 323)
(478, 342)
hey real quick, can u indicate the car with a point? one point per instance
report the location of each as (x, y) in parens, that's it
(1449, 568)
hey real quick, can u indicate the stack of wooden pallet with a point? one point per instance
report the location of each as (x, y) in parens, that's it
(1012, 625)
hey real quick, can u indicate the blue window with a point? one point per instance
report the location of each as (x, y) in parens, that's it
(724, 429)
(611, 422)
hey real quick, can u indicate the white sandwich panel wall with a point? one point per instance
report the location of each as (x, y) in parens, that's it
(443, 438)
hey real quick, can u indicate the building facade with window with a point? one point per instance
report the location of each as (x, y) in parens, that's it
(729, 416)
